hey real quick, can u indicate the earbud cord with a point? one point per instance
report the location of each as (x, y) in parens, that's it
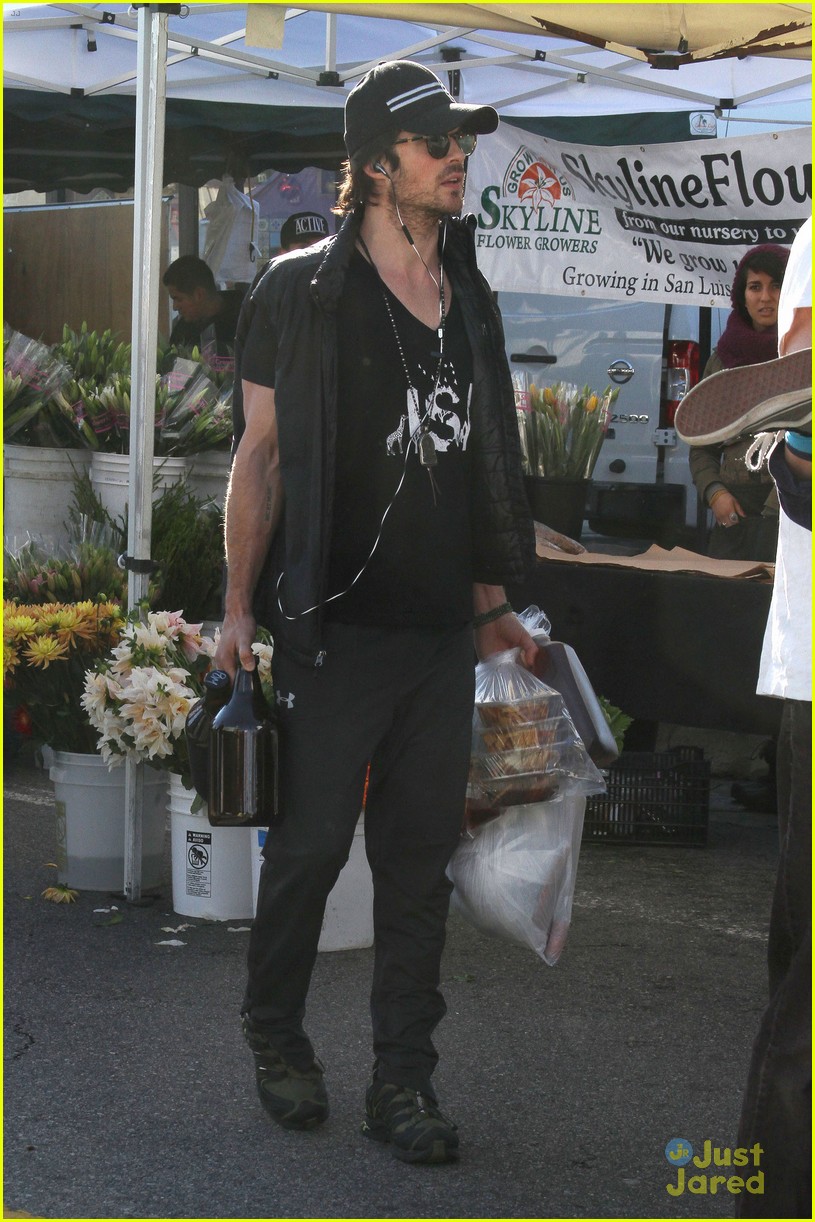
(418, 253)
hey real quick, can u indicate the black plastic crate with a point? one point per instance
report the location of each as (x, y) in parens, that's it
(652, 798)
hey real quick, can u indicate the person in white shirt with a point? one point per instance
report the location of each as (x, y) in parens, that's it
(777, 1108)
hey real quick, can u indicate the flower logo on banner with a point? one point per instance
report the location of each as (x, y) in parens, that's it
(530, 180)
(539, 185)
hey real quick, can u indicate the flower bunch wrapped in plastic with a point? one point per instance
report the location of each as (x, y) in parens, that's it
(105, 414)
(137, 697)
(197, 413)
(563, 431)
(47, 649)
(34, 410)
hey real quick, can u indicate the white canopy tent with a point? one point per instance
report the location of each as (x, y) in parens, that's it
(527, 60)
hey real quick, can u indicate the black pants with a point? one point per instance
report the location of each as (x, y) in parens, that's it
(777, 1107)
(401, 699)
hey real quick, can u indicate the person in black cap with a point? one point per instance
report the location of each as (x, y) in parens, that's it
(302, 229)
(376, 510)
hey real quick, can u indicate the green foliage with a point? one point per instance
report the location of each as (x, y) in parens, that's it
(187, 543)
(618, 720)
(91, 356)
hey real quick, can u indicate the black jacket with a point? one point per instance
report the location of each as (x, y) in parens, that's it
(300, 293)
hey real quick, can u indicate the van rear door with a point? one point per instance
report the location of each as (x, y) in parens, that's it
(599, 343)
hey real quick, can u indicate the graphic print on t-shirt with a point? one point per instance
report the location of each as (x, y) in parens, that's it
(442, 417)
(401, 541)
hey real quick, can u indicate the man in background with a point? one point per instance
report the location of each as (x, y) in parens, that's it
(302, 229)
(207, 317)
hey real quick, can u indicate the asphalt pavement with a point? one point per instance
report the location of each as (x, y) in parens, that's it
(129, 1092)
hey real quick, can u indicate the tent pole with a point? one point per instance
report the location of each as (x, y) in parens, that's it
(150, 112)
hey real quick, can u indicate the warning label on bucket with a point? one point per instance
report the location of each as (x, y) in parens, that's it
(199, 864)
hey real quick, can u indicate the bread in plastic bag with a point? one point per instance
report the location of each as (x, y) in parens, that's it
(514, 878)
(525, 746)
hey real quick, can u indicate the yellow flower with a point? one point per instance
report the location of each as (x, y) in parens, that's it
(591, 403)
(10, 659)
(109, 619)
(45, 649)
(549, 396)
(64, 624)
(60, 894)
(19, 627)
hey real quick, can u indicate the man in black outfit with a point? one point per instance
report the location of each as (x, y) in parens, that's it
(207, 316)
(375, 512)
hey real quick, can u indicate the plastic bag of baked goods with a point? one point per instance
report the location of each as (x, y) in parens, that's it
(525, 746)
(515, 877)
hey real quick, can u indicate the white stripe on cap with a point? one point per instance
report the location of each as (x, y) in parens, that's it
(400, 100)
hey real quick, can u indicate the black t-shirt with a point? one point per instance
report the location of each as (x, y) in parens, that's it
(421, 570)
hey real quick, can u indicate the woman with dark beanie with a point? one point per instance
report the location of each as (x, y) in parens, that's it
(744, 503)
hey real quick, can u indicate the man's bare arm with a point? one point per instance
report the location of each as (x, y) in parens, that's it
(254, 505)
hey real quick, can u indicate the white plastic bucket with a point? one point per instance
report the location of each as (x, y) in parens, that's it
(212, 868)
(38, 486)
(209, 473)
(110, 477)
(348, 923)
(89, 800)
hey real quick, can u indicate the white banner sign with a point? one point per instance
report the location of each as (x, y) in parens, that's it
(659, 222)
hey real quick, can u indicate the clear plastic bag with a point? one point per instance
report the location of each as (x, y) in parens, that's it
(525, 746)
(515, 877)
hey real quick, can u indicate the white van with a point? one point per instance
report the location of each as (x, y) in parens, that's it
(642, 488)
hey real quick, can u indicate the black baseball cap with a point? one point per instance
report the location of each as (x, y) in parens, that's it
(409, 96)
(303, 226)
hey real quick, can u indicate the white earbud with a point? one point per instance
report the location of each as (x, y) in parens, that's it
(379, 166)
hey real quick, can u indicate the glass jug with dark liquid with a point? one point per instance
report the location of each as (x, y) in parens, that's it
(243, 758)
(217, 690)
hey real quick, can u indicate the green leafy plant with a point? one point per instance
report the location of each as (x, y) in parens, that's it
(187, 544)
(618, 720)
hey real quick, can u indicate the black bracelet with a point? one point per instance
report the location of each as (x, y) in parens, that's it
(488, 616)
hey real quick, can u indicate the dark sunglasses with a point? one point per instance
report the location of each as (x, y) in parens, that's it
(439, 146)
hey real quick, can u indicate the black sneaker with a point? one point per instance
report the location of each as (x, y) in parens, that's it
(411, 1122)
(295, 1098)
(747, 400)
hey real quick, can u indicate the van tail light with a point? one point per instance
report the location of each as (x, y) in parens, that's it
(681, 373)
